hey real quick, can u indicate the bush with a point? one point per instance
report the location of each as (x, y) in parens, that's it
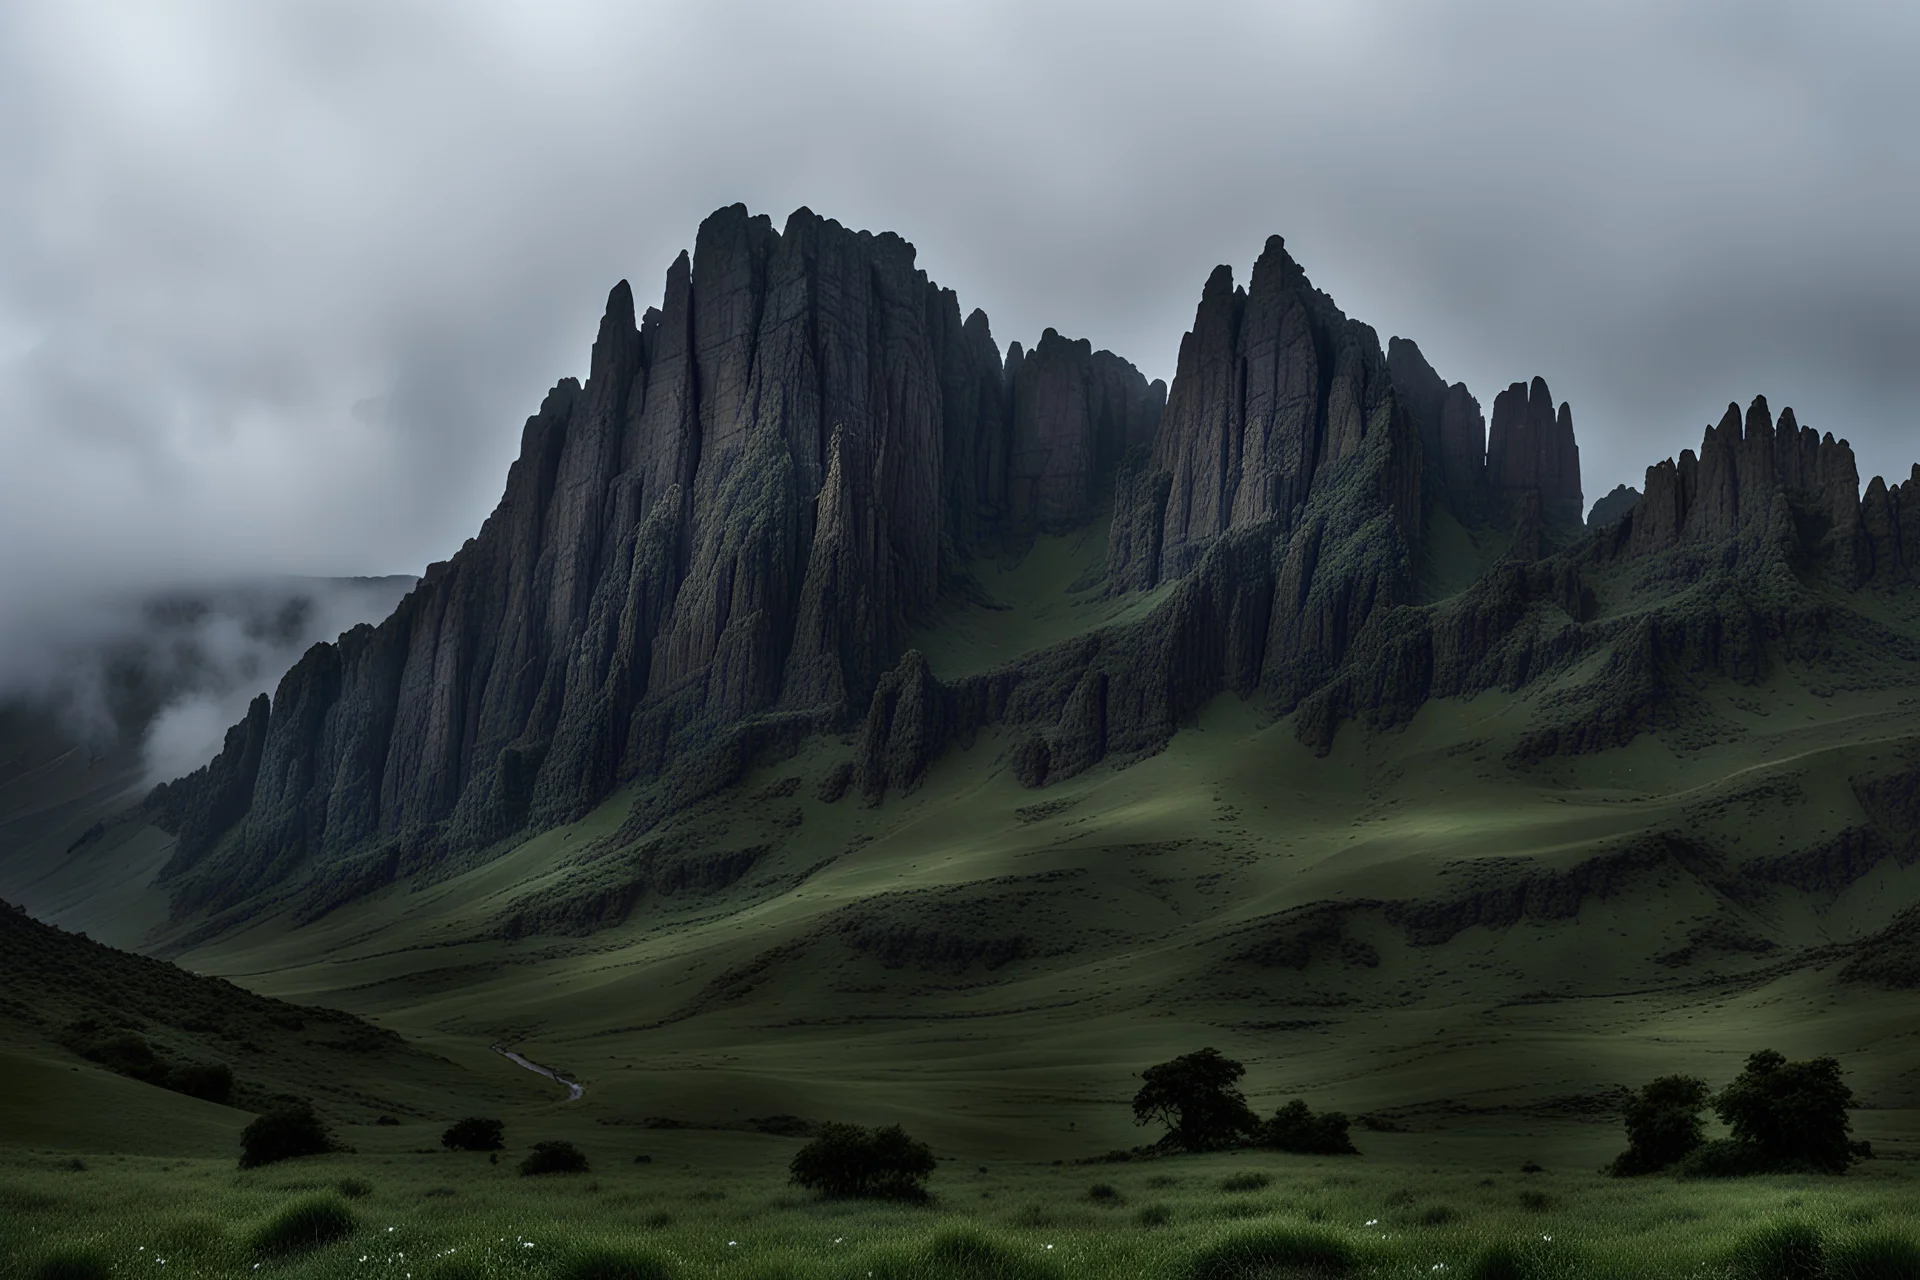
(1663, 1125)
(354, 1188)
(72, 1264)
(1780, 1251)
(612, 1264)
(1793, 1114)
(1197, 1098)
(1245, 1182)
(847, 1160)
(303, 1226)
(1295, 1128)
(211, 1081)
(1105, 1193)
(1882, 1256)
(475, 1134)
(284, 1133)
(388, 1122)
(1273, 1251)
(554, 1157)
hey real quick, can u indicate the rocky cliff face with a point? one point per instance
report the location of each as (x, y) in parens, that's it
(762, 483)
(1276, 391)
(717, 545)
(1530, 448)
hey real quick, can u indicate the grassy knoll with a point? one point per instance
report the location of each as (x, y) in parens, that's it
(719, 1206)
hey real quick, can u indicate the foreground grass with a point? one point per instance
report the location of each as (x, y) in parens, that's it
(448, 1217)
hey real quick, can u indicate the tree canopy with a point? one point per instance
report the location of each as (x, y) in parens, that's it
(1197, 1097)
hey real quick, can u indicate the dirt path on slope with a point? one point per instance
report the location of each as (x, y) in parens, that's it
(575, 1090)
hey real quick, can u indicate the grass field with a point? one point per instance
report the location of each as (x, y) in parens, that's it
(718, 1205)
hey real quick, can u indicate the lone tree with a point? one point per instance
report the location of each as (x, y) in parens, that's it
(1791, 1114)
(1295, 1128)
(289, 1130)
(475, 1133)
(847, 1160)
(1663, 1125)
(1195, 1097)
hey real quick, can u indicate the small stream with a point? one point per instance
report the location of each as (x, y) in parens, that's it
(575, 1090)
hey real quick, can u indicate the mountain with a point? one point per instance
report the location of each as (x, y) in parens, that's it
(712, 548)
(720, 544)
(840, 718)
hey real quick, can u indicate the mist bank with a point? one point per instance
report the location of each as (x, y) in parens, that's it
(164, 671)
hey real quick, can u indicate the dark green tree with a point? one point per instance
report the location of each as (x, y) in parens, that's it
(1791, 1114)
(847, 1160)
(288, 1131)
(556, 1156)
(1663, 1125)
(1296, 1128)
(475, 1133)
(1197, 1098)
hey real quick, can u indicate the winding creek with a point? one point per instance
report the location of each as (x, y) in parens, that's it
(575, 1090)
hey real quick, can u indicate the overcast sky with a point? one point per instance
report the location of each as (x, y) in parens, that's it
(279, 282)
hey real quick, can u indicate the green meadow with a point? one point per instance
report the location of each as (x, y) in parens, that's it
(719, 1205)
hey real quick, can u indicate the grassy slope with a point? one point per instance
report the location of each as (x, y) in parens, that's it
(992, 965)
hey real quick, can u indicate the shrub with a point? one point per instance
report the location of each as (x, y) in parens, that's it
(1295, 1128)
(303, 1226)
(1245, 1182)
(354, 1188)
(1197, 1098)
(386, 1122)
(612, 1264)
(72, 1264)
(847, 1160)
(475, 1134)
(1273, 1251)
(1154, 1215)
(284, 1133)
(1793, 1114)
(1104, 1193)
(212, 1081)
(1663, 1125)
(554, 1157)
(1780, 1251)
(1882, 1256)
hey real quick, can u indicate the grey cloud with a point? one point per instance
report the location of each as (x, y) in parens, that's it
(225, 225)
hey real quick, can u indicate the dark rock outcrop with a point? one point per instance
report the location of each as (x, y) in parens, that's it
(1453, 432)
(1530, 448)
(1075, 412)
(1276, 390)
(1613, 508)
(1745, 487)
(1890, 531)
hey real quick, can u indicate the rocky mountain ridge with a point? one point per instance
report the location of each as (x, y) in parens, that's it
(717, 546)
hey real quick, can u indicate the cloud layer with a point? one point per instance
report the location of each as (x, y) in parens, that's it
(279, 283)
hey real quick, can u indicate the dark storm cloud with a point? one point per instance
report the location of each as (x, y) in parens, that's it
(279, 282)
